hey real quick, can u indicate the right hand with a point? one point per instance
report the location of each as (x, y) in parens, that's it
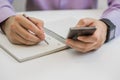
(17, 29)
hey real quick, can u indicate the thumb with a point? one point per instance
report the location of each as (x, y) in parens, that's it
(85, 22)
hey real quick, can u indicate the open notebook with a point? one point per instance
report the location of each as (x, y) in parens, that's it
(55, 39)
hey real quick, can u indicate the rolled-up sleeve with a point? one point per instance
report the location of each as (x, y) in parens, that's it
(113, 14)
(6, 9)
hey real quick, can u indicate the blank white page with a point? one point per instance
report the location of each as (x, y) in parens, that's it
(23, 53)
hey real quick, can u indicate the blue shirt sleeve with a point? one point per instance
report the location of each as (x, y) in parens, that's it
(6, 9)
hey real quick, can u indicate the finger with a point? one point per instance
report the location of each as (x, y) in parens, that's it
(19, 40)
(85, 22)
(87, 39)
(27, 24)
(84, 50)
(37, 22)
(25, 34)
(92, 47)
(75, 44)
(80, 46)
(69, 43)
(12, 38)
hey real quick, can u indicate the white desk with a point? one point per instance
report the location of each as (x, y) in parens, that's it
(103, 64)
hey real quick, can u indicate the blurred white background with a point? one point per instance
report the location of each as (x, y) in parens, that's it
(20, 4)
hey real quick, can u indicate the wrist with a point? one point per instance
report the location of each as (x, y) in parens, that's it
(110, 29)
(2, 26)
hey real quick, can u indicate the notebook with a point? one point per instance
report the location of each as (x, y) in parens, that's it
(53, 36)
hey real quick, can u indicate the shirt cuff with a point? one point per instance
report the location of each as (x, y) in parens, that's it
(5, 13)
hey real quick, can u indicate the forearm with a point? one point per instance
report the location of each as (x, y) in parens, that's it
(6, 10)
(113, 14)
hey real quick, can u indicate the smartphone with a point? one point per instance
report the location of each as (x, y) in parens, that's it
(74, 32)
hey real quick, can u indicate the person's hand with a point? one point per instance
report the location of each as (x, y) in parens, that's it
(87, 43)
(20, 30)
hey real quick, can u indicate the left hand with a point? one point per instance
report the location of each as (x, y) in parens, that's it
(93, 42)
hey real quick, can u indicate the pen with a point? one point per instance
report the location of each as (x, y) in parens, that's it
(33, 23)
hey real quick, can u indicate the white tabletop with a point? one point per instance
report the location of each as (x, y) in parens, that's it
(103, 64)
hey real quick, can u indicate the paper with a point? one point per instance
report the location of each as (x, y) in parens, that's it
(24, 53)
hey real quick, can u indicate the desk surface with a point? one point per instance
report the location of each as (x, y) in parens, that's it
(103, 64)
